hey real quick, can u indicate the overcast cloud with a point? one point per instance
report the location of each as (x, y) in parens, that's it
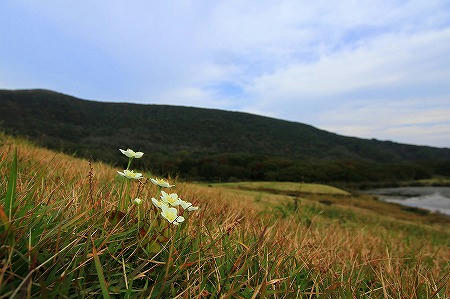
(373, 69)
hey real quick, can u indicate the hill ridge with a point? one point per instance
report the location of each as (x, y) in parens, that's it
(31, 90)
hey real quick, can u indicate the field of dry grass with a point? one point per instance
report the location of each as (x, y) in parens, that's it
(71, 232)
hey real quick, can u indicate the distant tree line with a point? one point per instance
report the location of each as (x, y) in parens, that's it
(245, 166)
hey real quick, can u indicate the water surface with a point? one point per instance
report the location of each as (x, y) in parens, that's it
(434, 199)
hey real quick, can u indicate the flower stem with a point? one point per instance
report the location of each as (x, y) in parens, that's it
(139, 219)
(129, 163)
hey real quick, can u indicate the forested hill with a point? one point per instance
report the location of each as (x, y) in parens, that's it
(210, 144)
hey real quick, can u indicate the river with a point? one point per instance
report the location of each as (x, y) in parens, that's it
(435, 199)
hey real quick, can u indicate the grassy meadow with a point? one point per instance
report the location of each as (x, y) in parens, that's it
(286, 187)
(69, 229)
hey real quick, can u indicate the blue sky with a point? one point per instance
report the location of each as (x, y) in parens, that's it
(376, 69)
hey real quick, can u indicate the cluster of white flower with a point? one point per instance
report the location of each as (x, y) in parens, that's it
(167, 202)
(130, 174)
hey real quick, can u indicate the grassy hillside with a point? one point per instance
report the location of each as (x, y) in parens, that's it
(207, 144)
(71, 230)
(286, 187)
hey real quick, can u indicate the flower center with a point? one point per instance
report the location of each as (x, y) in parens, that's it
(171, 216)
(172, 198)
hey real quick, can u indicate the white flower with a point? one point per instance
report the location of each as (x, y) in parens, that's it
(187, 205)
(171, 198)
(132, 154)
(130, 174)
(159, 204)
(137, 201)
(171, 215)
(161, 183)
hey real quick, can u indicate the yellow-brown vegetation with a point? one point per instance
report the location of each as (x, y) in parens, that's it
(63, 240)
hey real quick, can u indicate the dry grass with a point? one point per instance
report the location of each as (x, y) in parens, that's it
(66, 238)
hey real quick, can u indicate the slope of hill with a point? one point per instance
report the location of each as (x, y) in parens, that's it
(70, 229)
(211, 144)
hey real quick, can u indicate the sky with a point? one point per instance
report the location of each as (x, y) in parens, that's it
(373, 69)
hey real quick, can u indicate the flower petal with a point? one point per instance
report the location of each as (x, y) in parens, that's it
(185, 204)
(129, 153)
(158, 203)
(138, 155)
(161, 183)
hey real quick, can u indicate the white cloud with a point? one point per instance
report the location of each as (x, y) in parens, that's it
(299, 60)
(418, 121)
(396, 60)
(190, 96)
(384, 71)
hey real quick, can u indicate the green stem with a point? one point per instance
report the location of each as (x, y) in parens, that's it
(129, 163)
(139, 220)
(127, 198)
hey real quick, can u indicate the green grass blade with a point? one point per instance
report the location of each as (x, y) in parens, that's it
(11, 190)
(101, 276)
